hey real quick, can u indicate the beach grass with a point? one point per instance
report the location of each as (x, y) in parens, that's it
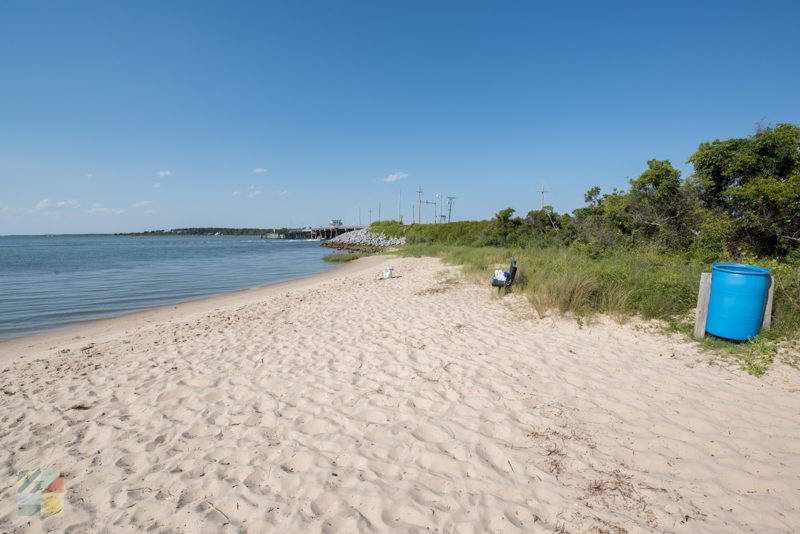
(343, 257)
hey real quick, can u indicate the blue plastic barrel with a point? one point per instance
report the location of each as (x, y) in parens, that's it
(736, 304)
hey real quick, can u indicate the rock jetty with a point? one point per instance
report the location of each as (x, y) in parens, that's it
(362, 239)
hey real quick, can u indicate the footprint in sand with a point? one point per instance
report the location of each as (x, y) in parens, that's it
(201, 431)
(157, 443)
(439, 463)
(257, 482)
(300, 461)
(176, 393)
(432, 433)
(133, 462)
(325, 504)
(179, 415)
(429, 499)
(370, 416)
(254, 420)
(345, 521)
(521, 517)
(314, 427)
(265, 405)
(384, 470)
(214, 396)
(399, 452)
(435, 483)
(404, 514)
(494, 456)
(197, 444)
(190, 495)
(496, 431)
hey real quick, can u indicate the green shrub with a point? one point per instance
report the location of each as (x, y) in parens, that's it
(343, 257)
(457, 233)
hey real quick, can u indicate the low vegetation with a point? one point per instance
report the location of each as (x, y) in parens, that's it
(640, 252)
(343, 257)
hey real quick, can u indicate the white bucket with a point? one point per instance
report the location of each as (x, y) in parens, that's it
(389, 272)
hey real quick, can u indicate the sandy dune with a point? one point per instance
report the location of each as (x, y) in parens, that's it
(349, 403)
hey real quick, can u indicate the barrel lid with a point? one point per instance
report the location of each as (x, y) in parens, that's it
(740, 268)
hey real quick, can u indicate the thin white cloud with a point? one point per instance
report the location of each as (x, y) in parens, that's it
(259, 171)
(165, 173)
(99, 209)
(141, 204)
(236, 194)
(156, 186)
(282, 193)
(89, 175)
(47, 204)
(251, 187)
(394, 177)
(253, 194)
(16, 211)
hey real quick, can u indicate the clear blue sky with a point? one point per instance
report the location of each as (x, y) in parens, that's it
(129, 116)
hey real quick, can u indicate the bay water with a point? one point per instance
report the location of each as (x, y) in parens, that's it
(51, 282)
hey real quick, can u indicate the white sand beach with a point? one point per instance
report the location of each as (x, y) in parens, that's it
(349, 403)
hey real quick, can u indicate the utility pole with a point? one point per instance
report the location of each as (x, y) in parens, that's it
(542, 191)
(379, 211)
(419, 205)
(370, 217)
(420, 202)
(450, 207)
(399, 210)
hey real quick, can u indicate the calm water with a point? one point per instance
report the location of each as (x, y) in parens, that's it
(52, 282)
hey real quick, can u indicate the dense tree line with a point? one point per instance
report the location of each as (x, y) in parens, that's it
(743, 198)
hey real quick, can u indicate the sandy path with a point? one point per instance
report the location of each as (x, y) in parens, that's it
(356, 404)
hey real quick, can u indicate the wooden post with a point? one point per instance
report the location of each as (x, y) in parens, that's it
(703, 294)
(766, 322)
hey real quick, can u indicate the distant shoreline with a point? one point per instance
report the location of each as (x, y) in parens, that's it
(176, 232)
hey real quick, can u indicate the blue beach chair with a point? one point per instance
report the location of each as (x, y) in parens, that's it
(509, 278)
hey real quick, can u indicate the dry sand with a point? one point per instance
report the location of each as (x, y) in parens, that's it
(349, 403)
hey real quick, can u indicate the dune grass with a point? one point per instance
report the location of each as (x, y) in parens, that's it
(343, 257)
(649, 285)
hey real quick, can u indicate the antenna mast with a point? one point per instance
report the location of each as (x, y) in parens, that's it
(542, 191)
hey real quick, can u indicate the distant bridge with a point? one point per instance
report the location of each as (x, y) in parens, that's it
(329, 232)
